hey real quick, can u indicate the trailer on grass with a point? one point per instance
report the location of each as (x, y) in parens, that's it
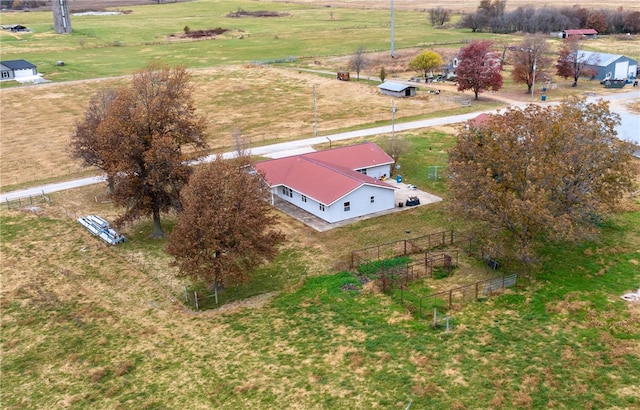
(101, 228)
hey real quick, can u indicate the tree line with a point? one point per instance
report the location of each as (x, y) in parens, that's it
(491, 16)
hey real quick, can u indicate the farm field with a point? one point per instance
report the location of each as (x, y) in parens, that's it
(84, 325)
(88, 325)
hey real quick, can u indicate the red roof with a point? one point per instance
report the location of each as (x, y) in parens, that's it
(581, 32)
(354, 157)
(326, 176)
(480, 120)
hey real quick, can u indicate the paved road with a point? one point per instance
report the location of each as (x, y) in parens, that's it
(629, 129)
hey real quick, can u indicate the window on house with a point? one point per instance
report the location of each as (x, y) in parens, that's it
(287, 191)
(304, 198)
(373, 199)
(322, 207)
(347, 206)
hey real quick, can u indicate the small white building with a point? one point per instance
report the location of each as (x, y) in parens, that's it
(17, 69)
(335, 184)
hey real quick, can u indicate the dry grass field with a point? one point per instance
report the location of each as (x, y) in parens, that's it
(232, 98)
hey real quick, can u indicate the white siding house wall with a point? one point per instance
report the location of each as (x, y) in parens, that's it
(378, 171)
(310, 205)
(360, 203)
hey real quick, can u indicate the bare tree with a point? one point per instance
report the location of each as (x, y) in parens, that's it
(530, 58)
(359, 61)
(439, 15)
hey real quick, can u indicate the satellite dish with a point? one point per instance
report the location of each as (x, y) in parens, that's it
(398, 166)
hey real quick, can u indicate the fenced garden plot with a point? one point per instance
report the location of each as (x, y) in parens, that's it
(402, 247)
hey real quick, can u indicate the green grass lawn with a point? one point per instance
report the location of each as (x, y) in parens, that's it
(102, 46)
(82, 327)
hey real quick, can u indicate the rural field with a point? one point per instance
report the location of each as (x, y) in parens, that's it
(90, 326)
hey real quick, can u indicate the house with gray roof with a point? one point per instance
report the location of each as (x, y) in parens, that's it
(394, 89)
(17, 69)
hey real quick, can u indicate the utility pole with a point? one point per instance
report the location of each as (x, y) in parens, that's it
(393, 127)
(315, 113)
(392, 28)
(533, 81)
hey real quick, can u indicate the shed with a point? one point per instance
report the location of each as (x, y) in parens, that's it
(397, 89)
(609, 66)
(586, 32)
(16, 69)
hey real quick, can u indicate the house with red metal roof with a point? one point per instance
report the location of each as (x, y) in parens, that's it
(334, 184)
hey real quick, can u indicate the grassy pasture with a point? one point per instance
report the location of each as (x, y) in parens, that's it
(103, 46)
(465, 6)
(237, 97)
(86, 325)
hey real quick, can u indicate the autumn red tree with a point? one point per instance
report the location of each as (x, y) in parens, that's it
(530, 58)
(541, 173)
(137, 135)
(572, 62)
(226, 228)
(479, 68)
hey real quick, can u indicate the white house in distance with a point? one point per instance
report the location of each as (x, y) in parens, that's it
(17, 69)
(335, 184)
